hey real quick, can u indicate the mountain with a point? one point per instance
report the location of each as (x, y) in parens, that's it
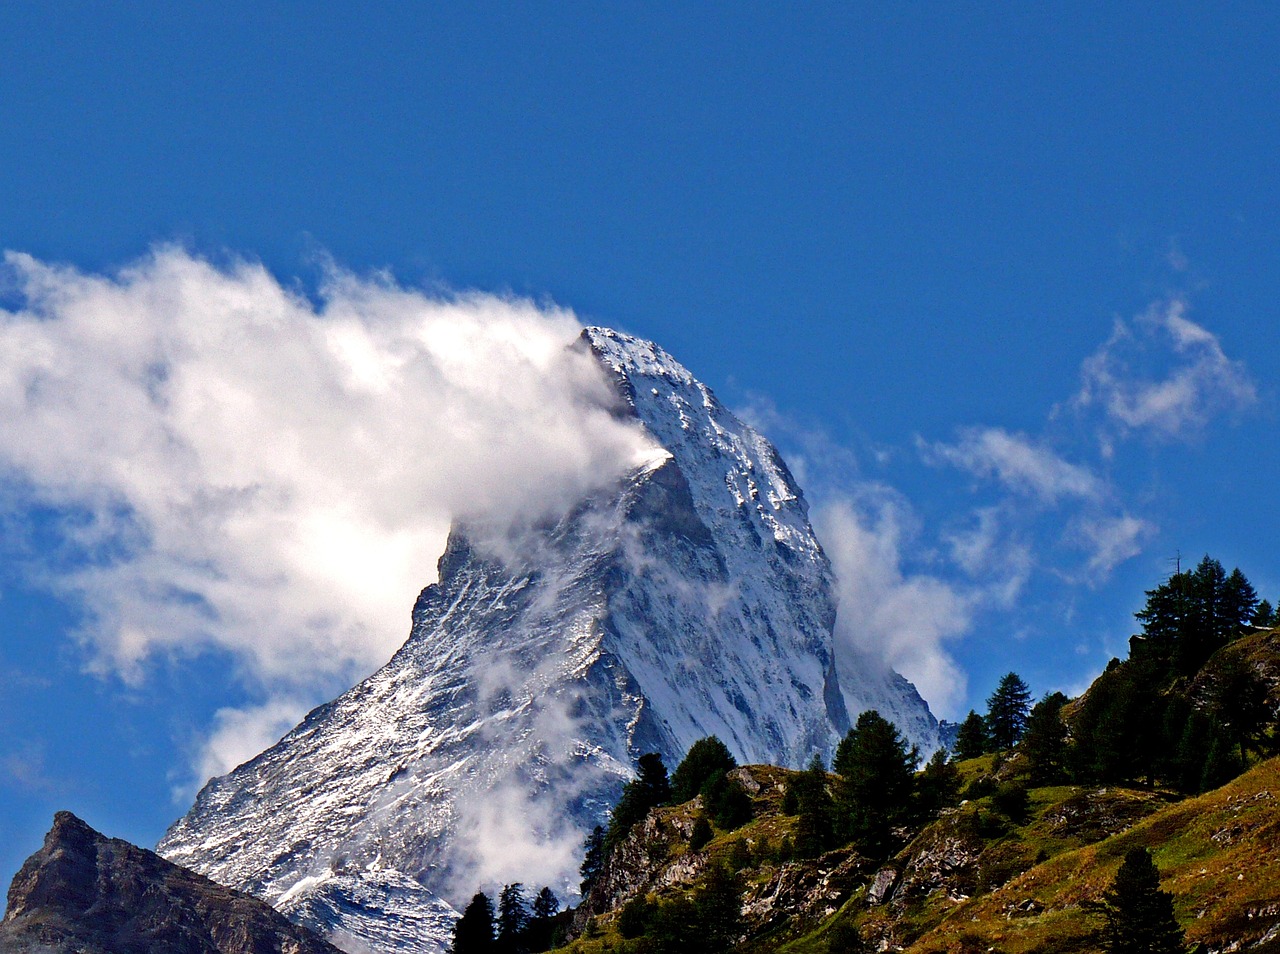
(83, 893)
(691, 598)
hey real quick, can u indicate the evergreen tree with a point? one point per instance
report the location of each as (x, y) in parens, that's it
(1264, 615)
(1007, 711)
(972, 739)
(815, 812)
(1238, 604)
(1139, 916)
(1194, 745)
(938, 786)
(877, 779)
(538, 934)
(706, 759)
(1237, 700)
(593, 859)
(513, 918)
(726, 801)
(546, 905)
(1117, 727)
(1194, 613)
(719, 907)
(473, 933)
(701, 833)
(648, 789)
(1045, 743)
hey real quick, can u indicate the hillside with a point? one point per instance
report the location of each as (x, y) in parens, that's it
(975, 879)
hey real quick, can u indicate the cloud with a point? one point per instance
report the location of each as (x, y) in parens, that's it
(1017, 462)
(237, 736)
(1109, 540)
(24, 767)
(902, 619)
(240, 469)
(1164, 374)
(987, 551)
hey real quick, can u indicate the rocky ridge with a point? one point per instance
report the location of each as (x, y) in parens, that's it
(84, 893)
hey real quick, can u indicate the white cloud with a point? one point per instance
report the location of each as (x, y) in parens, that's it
(1109, 540)
(987, 552)
(246, 471)
(237, 736)
(899, 618)
(1017, 462)
(1163, 373)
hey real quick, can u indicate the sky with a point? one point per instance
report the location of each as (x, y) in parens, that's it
(286, 290)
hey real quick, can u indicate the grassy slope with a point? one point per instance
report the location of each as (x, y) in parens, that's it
(1219, 855)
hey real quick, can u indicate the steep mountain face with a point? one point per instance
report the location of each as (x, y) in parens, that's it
(690, 599)
(83, 893)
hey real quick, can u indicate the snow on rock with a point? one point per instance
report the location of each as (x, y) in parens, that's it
(692, 599)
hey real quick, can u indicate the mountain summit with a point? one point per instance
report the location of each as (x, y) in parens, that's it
(691, 598)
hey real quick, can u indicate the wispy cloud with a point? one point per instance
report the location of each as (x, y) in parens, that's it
(1016, 461)
(238, 735)
(25, 766)
(1164, 374)
(241, 469)
(1109, 540)
(901, 618)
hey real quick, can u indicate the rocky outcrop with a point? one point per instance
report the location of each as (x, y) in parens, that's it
(84, 893)
(803, 893)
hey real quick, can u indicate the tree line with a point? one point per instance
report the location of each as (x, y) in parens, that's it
(518, 925)
(1177, 712)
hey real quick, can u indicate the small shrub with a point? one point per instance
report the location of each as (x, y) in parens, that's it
(740, 855)
(1013, 801)
(635, 917)
(786, 849)
(980, 787)
(701, 834)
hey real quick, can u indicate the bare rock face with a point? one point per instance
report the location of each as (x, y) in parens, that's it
(84, 893)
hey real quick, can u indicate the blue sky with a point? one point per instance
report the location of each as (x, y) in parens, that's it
(1000, 283)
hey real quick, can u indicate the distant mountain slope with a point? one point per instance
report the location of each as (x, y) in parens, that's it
(691, 599)
(83, 893)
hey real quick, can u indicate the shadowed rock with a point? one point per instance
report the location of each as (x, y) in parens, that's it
(85, 893)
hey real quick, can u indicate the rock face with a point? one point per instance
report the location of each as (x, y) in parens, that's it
(83, 893)
(690, 599)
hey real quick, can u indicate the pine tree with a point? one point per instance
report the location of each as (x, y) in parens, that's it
(1195, 613)
(1117, 727)
(513, 918)
(706, 759)
(1045, 743)
(815, 812)
(538, 935)
(473, 934)
(546, 905)
(592, 860)
(1007, 711)
(1264, 615)
(972, 740)
(701, 833)
(877, 779)
(647, 790)
(938, 786)
(719, 907)
(1139, 916)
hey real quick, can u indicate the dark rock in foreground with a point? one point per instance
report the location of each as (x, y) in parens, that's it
(86, 893)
